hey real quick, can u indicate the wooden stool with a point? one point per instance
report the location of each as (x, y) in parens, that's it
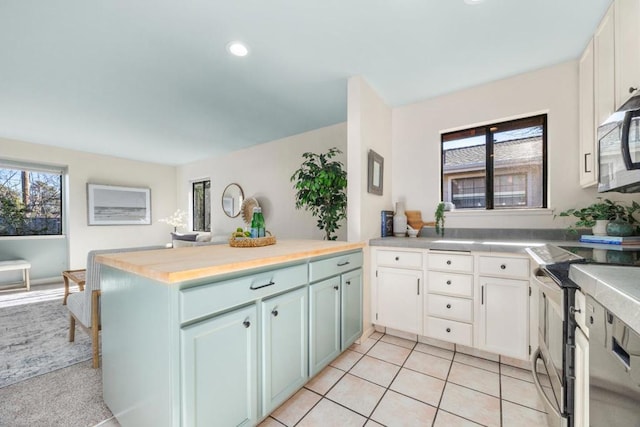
(76, 276)
(18, 264)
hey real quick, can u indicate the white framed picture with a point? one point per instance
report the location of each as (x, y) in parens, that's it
(115, 205)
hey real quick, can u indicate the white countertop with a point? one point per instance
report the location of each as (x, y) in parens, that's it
(617, 288)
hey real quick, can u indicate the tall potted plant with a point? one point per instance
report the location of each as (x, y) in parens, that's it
(321, 185)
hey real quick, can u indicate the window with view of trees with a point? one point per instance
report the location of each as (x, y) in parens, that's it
(498, 166)
(30, 201)
(201, 206)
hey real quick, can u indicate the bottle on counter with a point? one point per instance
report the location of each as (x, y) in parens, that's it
(257, 223)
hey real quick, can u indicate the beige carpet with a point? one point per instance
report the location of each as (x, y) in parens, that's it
(70, 396)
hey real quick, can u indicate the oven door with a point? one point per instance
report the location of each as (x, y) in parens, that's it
(549, 356)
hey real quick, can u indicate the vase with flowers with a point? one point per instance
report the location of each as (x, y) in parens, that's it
(177, 219)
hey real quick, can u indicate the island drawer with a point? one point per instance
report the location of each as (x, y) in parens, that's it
(453, 308)
(450, 330)
(207, 299)
(450, 262)
(328, 267)
(503, 266)
(400, 259)
(450, 283)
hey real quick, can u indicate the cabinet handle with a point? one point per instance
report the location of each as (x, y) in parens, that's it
(342, 264)
(632, 89)
(275, 312)
(336, 287)
(246, 323)
(448, 330)
(503, 267)
(397, 258)
(448, 305)
(482, 295)
(448, 262)
(262, 286)
(586, 163)
(348, 282)
(418, 288)
(448, 282)
(574, 310)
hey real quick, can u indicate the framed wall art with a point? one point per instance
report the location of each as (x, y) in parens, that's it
(114, 205)
(375, 173)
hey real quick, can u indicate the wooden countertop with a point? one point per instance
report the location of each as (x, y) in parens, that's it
(189, 263)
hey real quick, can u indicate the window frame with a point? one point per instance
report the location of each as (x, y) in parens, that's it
(488, 130)
(206, 206)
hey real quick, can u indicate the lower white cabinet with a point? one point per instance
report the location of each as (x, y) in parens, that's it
(220, 351)
(504, 316)
(284, 347)
(399, 299)
(581, 385)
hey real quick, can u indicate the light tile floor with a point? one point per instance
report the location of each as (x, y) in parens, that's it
(391, 381)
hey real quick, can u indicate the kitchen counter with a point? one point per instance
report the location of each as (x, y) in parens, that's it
(189, 263)
(616, 288)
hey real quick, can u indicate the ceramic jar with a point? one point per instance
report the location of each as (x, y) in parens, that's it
(399, 221)
(619, 227)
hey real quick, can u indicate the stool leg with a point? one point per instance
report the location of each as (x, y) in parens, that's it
(66, 289)
(72, 328)
(25, 277)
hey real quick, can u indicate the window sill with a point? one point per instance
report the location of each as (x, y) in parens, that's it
(467, 213)
(43, 237)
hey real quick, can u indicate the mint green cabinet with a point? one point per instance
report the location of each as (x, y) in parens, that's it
(351, 307)
(219, 370)
(284, 347)
(324, 323)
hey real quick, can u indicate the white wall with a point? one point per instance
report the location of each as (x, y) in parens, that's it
(86, 168)
(263, 171)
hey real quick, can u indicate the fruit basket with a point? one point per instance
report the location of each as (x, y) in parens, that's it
(248, 242)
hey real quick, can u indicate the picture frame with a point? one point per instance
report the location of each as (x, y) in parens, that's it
(375, 173)
(116, 205)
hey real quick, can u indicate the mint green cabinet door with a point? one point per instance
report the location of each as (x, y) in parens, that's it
(219, 370)
(324, 327)
(351, 307)
(284, 347)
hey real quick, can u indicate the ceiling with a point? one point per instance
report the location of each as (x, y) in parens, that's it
(152, 79)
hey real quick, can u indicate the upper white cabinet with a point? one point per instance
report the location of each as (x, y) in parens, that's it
(627, 49)
(587, 131)
(604, 71)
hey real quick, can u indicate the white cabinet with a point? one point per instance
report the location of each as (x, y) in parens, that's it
(587, 127)
(581, 385)
(284, 347)
(503, 305)
(604, 68)
(449, 298)
(627, 49)
(399, 299)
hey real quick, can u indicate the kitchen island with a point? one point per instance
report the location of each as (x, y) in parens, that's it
(217, 335)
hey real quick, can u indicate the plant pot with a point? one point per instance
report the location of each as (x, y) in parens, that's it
(619, 227)
(600, 229)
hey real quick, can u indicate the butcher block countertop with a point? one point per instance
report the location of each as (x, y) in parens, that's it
(190, 263)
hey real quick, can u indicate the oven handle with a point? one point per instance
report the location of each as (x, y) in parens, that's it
(534, 368)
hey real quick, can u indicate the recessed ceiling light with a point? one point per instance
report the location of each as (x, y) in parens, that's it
(237, 48)
(473, 1)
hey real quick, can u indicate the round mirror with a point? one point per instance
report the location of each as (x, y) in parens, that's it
(232, 198)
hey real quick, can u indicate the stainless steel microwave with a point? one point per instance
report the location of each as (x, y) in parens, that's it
(619, 150)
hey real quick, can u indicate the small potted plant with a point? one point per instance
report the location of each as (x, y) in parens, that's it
(597, 215)
(439, 216)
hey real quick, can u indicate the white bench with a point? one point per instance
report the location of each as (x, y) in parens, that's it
(18, 264)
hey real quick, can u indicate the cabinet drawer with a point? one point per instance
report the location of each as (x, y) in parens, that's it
(450, 283)
(328, 267)
(450, 307)
(503, 266)
(450, 262)
(450, 330)
(201, 301)
(399, 259)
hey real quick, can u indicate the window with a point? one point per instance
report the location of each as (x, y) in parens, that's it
(498, 166)
(30, 200)
(202, 206)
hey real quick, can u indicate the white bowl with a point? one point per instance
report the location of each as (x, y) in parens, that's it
(413, 232)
